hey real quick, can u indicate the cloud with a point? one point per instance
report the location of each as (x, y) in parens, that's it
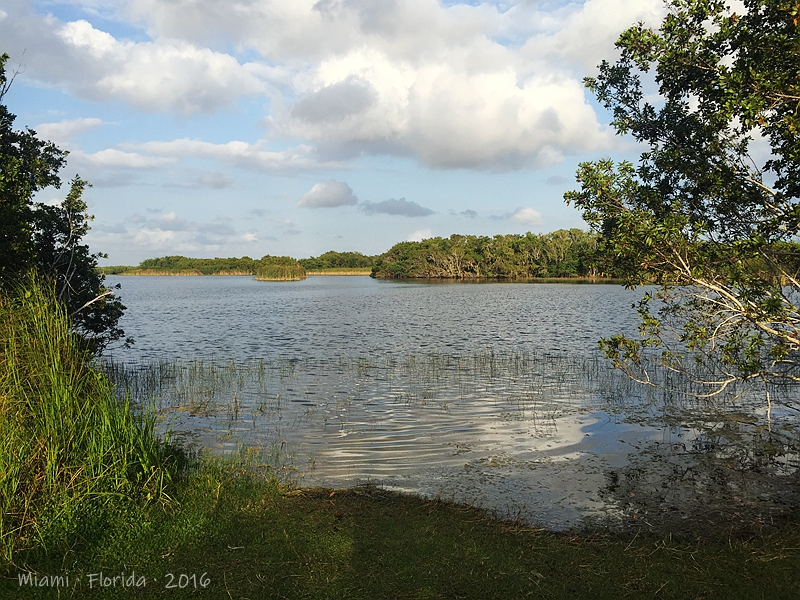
(164, 74)
(62, 133)
(487, 85)
(288, 227)
(444, 112)
(402, 207)
(168, 232)
(341, 100)
(584, 34)
(111, 157)
(419, 235)
(328, 195)
(219, 226)
(469, 214)
(213, 180)
(114, 178)
(527, 216)
(240, 154)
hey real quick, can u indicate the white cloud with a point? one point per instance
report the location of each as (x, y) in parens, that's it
(308, 30)
(330, 194)
(214, 180)
(111, 157)
(159, 75)
(474, 106)
(237, 153)
(584, 33)
(402, 207)
(527, 216)
(419, 235)
(484, 86)
(169, 232)
(62, 133)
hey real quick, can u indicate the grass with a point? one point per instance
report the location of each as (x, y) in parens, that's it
(70, 451)
(293, 272)
(251, 538)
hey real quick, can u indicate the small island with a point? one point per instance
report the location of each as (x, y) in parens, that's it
(280, 268)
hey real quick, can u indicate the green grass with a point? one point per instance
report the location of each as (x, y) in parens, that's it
(251, 538)
(70, 452)
(278, 272)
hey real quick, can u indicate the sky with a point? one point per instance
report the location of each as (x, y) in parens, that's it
(219, 128)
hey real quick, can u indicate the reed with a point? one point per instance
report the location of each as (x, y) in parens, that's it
(69, 449)
(293, 272)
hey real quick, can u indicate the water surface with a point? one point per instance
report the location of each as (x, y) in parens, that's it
(488, 393)
(237, 317)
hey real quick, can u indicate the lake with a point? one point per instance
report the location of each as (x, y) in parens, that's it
(237, 317)
(486, 393)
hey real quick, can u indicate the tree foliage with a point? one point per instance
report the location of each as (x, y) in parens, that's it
(338, 260)
(562, 253)
(183, 265)
(58, 232)
(709, 213)
(48, 239)
(27, 165)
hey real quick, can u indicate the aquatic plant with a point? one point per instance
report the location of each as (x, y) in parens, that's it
(279, 272)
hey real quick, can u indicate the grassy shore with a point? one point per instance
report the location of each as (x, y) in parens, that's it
(132, 271)
(364, 271)
(244, 536)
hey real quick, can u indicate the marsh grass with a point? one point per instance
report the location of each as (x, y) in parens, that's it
(71, 452)
(292, 408)
(534, 384)
(340, 271)
(293, 272)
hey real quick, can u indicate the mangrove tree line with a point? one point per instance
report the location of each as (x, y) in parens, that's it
(562, 253)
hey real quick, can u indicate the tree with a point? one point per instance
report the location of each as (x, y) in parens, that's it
(712, 223)
(72, 268)
(27, 165)
(47, 239)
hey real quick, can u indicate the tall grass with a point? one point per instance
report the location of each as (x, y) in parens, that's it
(293, 272)
(70, 451)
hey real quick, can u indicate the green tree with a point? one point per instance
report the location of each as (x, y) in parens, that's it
(46, 238)
(27, 165)
(57, 235)
(700, 215)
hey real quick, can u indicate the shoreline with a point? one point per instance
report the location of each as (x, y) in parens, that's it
(365, 273)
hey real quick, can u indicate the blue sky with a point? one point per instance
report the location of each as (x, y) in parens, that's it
(251, 127)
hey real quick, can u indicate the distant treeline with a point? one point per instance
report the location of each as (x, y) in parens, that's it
(562, 253)
(182, 265)
(338, 261)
